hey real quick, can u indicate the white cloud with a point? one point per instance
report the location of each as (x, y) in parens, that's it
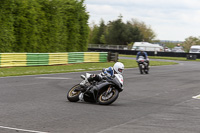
(170, 19)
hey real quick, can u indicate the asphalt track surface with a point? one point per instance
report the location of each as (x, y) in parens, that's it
(160, 102)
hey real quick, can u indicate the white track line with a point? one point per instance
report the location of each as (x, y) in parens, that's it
(52, 78)
(196, 97)
(24, 130)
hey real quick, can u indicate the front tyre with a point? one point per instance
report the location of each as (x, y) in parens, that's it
(140, 68)
(73, 95)
(108, 98)
(146, 71)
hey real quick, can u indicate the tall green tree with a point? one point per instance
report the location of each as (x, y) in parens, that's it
(146, 31)
(32, 26)
(93, 36)
(120, 33)
(116, 32)
(25, 26)
(83, 27)
(97, 33)
(190, 41)
(51, 24)
(7, 37)
(133, 34)
(101, 32)
(20, 26)
(75, 23)
(43, 25)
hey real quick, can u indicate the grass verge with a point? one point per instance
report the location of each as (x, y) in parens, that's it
(18, 71)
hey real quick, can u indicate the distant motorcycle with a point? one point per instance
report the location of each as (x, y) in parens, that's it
(104, 92)
(143, 65)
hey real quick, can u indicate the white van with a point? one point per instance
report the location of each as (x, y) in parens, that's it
(147, 46)
(195, 49)
(178, 49)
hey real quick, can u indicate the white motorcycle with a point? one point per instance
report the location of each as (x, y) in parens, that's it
(143, 65)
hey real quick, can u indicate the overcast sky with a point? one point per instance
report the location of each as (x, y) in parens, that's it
(170, 19)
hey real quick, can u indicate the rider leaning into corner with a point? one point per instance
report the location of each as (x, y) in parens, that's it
(144, 54)
(118, 68)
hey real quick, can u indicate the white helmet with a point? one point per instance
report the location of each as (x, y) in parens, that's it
(118, 67)
(141, 49)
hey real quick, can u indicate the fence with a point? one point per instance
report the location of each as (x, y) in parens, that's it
(150, 53)
(106, 46)
(38, 59)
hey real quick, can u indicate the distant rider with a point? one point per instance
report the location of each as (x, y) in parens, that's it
(144, 54)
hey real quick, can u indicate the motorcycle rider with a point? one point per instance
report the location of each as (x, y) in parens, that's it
(144, 54)
(118, 68)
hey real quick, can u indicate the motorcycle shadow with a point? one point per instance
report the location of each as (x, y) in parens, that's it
(93, 103)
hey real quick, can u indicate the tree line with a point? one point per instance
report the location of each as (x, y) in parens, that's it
(190, 41)
(43, 26)
(62, 26)
(117, 32)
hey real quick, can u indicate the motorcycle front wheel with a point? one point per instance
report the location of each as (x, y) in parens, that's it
(146, 71)
(73, 95)
(108, 98)
(140, 68)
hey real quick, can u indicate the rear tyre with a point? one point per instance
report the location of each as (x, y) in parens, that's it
(73, 95)
(106, 99)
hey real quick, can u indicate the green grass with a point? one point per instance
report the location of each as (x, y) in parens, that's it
(128, 63)
(164, 58)
(17, 71)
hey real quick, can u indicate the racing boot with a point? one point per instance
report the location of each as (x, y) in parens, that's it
(81, 97)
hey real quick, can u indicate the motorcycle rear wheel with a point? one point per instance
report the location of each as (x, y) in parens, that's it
(72, 95)
(108, 99)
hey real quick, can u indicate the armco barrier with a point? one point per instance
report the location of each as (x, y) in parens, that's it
(191, 57)
(8, 59)
(58, 58)
(75, 57)
(150, 53)
(38, 59)
(112, 56)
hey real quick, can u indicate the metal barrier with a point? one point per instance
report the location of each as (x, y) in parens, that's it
(150, 53)
(112, 56)
(38, 59)
(191, 57)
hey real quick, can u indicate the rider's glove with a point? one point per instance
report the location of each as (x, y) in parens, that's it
(92, 75)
